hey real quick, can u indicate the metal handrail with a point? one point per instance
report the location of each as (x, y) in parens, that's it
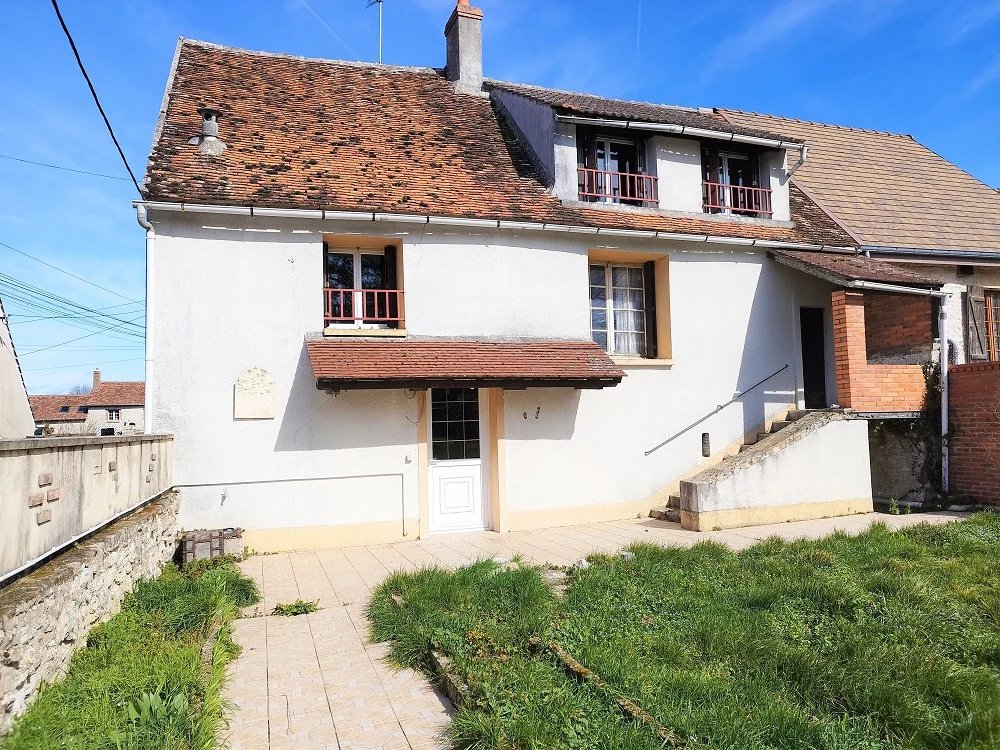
(368, 305)
(618, 186)
(743, 199)
(715, 411)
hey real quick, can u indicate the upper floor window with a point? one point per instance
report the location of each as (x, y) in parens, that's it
(114, 415)
(360, 288)
(613, 170)
(731, 184)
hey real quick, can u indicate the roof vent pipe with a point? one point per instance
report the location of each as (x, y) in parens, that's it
(208, 142)
(464, 40)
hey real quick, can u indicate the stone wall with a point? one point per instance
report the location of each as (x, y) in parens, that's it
(45, 616)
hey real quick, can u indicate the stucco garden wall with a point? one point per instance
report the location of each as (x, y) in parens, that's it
(45, 615)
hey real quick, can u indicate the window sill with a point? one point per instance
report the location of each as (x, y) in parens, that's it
(641, 362)
(366, 332)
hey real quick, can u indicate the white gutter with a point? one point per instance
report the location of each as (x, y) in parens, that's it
(942, 355)
(147, 408)
(379, 217)
(681, 130)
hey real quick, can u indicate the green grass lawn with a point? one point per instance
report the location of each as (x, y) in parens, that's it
(883, 640)
(149, 678)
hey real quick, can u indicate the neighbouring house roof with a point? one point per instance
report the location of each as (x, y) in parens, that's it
(887, 189)
(322, 134)
(115, 394)
(344, 364)
(843, 268)
(588, 105)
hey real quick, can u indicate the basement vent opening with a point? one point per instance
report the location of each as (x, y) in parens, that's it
(706, 446)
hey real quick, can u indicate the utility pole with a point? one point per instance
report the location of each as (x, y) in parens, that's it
(379, 4)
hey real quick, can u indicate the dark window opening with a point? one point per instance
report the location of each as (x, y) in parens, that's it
(454, 424)
(612, 169)
(731, 183)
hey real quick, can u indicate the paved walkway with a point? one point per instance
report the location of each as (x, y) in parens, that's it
(317, 681)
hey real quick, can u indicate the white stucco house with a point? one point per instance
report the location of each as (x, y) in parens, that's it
(15, 412)
(387, 302)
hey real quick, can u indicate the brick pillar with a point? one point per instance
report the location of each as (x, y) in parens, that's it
(849, 345)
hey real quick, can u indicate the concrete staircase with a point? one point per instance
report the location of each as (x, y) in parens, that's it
(672, 510)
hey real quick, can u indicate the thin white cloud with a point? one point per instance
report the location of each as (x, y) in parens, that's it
(974, 19)
(989, 75)
(776, 27)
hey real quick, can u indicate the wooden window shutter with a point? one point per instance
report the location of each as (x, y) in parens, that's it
(975, 324)
(649, 285)
(391, 282)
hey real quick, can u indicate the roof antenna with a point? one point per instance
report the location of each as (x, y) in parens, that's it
(379, 4)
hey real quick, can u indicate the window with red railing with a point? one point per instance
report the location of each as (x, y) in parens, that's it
(360, 288)
(612, 170)
(731, 184)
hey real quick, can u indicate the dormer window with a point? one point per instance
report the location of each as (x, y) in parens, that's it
(731, 184)
(612, 169)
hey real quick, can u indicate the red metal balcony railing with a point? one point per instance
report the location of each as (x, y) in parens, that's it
(717, 196)
(616, 187)
(371, 306)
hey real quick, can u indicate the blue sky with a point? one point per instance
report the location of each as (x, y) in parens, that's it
(924, 67)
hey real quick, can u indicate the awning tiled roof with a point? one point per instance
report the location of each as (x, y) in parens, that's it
(843, 268)
(888, 189)
(342, 363)
(340, 136)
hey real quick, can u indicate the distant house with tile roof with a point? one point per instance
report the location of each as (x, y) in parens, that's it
(15, 412)
(110, 408)
(387, 302)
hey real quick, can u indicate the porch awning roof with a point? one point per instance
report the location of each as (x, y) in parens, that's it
(348, 363)
(843, 268)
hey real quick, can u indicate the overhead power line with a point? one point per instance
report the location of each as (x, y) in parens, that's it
(70, 341)
(85, 364)
(41, 299)
(64, 271)
(93, 92)
(64, 169)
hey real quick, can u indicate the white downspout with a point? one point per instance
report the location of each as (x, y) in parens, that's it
(140, 216)
(942, 355)
(803, 155)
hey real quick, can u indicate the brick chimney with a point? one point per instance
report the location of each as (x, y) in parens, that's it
(97, 378)
(464, 36)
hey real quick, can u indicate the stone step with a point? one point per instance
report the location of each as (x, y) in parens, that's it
(778, 425)
(674, 501)
(796, 414)
(663, 513)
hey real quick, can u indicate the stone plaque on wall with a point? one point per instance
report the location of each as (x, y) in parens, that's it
(253, 395)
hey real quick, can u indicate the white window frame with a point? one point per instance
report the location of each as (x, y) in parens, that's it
(114, 415)
(609, 306)
(358, 297)
(605, 142)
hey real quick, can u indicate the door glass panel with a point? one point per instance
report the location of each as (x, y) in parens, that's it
(454, 424)
(373, 277)
(340, 275)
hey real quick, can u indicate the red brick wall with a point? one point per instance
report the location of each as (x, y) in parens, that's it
(896, 321)
(865, 387)
(974, 445)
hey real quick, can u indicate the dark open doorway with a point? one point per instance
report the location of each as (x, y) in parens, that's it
(811, 330)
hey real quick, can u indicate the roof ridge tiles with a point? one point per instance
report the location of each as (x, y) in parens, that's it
(303, 58)
(874, 131)
(552, 90)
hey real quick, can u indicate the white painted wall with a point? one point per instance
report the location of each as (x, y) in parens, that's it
(15, 413)
(825, 464)
(230, 296)
(131, 420)
(771, 165)
(678, 169)
(566, 183)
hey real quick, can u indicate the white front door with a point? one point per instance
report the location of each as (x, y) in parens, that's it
(455, 470)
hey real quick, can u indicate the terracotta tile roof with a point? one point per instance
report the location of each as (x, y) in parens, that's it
(118, 393)
(340, 363)
(330, 135)
(843, 268)
(588, 105)
(109, 393)
(49, 408)
(888, 189)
